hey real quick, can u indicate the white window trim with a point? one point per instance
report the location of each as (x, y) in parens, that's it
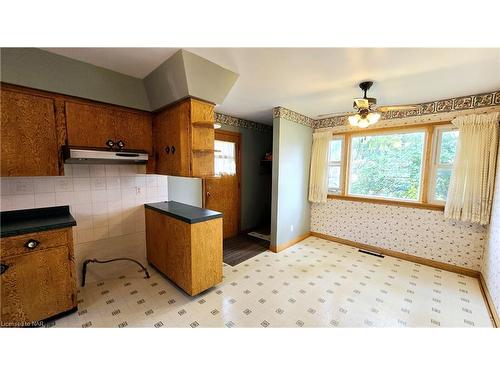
(435, 165)
(386, 132)
(339, 163)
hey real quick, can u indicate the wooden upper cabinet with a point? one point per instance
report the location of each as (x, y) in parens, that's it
(135, 130)
(183, 145)
(171, 138)
(92, 125)
(89, 125)
(29, 135)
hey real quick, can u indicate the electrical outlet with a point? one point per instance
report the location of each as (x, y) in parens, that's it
(291, 228)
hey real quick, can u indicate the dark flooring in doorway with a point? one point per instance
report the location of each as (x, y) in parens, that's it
(242, 247)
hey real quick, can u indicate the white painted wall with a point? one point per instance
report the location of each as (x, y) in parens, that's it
(186, 190)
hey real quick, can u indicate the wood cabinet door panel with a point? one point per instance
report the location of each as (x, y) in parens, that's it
(171, 128)
(134, 129)
(38, 285)
(162, 131)
(89, 125)
(29, 137)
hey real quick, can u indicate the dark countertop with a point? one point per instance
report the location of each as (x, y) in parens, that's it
(184, 212)
(18, 222)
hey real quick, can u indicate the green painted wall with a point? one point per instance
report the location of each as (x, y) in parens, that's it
(255, 186)
(32, 67)
(207, 80)
(292, 145)
(168, 82)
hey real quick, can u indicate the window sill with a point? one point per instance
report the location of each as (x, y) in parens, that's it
(424, 206)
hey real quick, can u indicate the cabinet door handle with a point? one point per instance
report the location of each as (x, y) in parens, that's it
(31, 244)
(167, 149)
(120, 144)
(110, 143)
(173, 150)
(3, 268)
(208, 194)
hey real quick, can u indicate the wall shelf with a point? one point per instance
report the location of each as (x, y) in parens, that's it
(203, 124)
(204, 150)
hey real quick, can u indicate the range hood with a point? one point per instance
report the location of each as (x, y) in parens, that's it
(82, 155)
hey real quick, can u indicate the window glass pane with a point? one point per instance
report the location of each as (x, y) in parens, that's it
(387, 165)
(224, 158)
(442, 182)
(448, 146)
(335, 150)
(334, 178)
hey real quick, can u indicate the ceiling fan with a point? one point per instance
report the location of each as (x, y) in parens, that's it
(366, 112)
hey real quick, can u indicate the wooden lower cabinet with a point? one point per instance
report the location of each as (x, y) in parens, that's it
(188, 254)
(37, 284)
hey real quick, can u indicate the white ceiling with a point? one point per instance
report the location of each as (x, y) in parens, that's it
(314, 81)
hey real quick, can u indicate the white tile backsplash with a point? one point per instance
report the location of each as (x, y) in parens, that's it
(44, 185)
(106, 200)
(45, 199)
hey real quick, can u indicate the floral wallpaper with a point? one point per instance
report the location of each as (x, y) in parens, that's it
(281, 112)
(414, 231)
(491, 262)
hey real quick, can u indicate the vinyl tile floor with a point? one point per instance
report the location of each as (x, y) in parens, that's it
(315, 283)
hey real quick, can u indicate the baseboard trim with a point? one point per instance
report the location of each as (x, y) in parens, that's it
(399, 255)
(489, 301)
(286, 245)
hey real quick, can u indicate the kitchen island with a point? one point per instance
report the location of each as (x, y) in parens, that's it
(185, 244)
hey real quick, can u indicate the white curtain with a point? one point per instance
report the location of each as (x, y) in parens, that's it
(470, 193)
(318, 179)
(225, 158)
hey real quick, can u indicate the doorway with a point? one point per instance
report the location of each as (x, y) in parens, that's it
(222, 192)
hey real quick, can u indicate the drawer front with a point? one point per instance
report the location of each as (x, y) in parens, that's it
(17, 245)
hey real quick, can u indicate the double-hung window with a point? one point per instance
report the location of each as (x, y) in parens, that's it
(411, 166)
(335, 165)
(445, 147)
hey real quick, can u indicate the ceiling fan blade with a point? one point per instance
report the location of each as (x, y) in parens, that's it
(387, 108)
(335, 114)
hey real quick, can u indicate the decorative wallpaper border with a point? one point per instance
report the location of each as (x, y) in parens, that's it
(470, 102)
(287, 114)
(240, 123)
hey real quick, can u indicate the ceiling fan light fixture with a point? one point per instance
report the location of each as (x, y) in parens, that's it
(354, 119)
(364, 120)
(373, 117)
(363, 123)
